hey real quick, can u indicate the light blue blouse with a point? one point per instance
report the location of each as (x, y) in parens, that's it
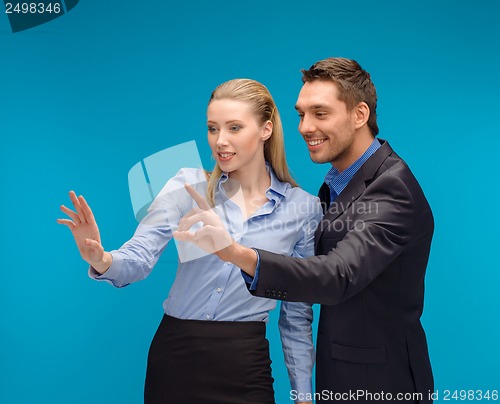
(206, 288)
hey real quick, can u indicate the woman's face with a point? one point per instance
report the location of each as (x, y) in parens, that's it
(235, 135)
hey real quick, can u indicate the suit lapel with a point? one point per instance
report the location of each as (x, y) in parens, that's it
(352, 191)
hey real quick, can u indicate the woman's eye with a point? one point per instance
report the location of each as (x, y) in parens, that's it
(235, 128)
(212, 129)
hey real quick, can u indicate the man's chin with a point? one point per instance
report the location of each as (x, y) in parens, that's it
(318, 159)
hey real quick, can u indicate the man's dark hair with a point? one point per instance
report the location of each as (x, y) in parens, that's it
(353, 82)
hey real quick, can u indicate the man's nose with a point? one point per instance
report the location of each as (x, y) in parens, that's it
(307, 125)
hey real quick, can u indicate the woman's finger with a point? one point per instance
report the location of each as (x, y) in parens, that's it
(86, 210)
(66, 222)
(93, 244)
(73, 215)
(78, 207)
(199, 199)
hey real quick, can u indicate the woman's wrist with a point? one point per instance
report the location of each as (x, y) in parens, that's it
(103, 266)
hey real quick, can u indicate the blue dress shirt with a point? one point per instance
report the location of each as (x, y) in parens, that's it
(338, 181)
(206, 288)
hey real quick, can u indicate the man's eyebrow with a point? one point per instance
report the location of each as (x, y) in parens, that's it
(317, 106)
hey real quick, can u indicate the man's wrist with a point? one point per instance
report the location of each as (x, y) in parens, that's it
(228, 252)
(243, 257)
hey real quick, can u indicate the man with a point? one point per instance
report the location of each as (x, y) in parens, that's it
(372, 248)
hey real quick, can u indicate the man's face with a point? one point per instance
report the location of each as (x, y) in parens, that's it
(325, 124)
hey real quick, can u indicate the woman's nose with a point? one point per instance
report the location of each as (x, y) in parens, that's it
(222, 139)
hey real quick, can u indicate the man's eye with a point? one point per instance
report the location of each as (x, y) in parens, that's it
(235, 128)
(301, 116)
(320, 114)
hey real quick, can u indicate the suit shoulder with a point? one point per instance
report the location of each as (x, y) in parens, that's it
(395, 171)
(395, 167)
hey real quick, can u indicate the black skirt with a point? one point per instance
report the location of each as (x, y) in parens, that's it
(202, 362)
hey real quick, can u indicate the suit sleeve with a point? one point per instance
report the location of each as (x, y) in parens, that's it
(381, 233)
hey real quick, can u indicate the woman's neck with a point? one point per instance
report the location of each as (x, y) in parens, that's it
(247, 188)
(254, 180)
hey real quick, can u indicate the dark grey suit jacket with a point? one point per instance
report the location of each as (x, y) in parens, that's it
(372, 249)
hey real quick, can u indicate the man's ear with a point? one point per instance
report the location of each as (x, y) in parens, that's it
(361, 114)
(267, 131)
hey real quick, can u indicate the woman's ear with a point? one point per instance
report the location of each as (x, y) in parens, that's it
(267, 131)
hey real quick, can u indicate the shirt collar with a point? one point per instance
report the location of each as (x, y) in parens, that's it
(338, 181)
(276, 191)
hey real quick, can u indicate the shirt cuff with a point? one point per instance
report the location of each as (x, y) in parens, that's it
(112, 272)
(302, 388)
(251, 281)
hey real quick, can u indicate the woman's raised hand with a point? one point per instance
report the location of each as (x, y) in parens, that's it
(86, 233)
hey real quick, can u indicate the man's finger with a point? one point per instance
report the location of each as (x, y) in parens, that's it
(187, 221)
(183, 235)
(210, 235)
(183, 223)
(199, 199)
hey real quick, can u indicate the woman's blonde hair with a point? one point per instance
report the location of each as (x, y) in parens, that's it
(263, 106)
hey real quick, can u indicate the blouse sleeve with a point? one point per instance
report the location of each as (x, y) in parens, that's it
(135, 259)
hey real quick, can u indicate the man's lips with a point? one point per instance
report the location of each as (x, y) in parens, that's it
(316, 142)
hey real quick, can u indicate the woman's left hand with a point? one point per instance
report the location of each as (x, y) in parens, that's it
(213, 236)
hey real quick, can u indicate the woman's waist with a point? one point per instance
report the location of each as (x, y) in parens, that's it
(215, 329)
(214, 305)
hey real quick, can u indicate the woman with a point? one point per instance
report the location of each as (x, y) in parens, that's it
(210, 346)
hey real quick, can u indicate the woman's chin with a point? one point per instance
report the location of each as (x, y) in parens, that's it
(227, 166)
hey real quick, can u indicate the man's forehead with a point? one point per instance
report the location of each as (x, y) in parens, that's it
(317, 94)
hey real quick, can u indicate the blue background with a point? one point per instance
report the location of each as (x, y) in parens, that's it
(85, 97)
